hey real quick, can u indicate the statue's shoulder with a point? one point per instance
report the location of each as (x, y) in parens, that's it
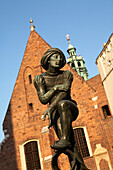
(39, 79)
(68, 74)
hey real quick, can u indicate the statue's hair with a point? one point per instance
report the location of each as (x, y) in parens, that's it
(48, 54)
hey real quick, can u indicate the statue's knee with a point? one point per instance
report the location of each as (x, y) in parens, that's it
(62, 105)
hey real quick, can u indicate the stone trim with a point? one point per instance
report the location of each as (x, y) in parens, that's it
(44, 130)
(96, 106)
(48, 158)
(101, 153)
(22, 154)
(5, 138)
(95, 98)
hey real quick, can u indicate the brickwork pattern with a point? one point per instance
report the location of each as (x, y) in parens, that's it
(24, 124)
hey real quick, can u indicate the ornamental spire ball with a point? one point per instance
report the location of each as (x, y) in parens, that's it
(68, 37)
(32, 26)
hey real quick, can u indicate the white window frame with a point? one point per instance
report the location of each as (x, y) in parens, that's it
(87, 139)
(22, 154)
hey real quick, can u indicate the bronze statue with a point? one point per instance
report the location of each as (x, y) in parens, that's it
(53, 87)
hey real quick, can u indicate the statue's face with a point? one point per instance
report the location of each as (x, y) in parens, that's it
(55, 60)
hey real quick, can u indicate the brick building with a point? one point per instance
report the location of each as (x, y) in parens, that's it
(27, 141)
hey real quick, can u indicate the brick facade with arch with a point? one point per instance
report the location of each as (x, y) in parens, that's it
(23, 124)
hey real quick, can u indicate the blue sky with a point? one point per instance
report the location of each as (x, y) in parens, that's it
(89, 23)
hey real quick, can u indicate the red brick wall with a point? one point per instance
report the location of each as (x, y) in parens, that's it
(106, 124)
(23, 124)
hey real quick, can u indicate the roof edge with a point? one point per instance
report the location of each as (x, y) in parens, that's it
(104, 48)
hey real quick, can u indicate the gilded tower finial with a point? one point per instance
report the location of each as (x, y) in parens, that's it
(68, 37)
(32, 26)
(70, 46)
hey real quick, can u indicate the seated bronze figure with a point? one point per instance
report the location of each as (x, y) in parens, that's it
(53, 87)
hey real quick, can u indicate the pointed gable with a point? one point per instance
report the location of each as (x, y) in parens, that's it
(30, 66)
(23, 118)
(35, 48)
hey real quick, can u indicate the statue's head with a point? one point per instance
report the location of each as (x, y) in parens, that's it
(54, 57)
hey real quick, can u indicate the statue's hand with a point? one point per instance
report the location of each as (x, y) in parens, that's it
(48, 113)
(60, 87)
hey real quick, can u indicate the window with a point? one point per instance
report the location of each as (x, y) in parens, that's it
(72, 65)
(106, 111)
(80, 141)
(32, 156)
(30, 79)
(31, 106)
(79, 64)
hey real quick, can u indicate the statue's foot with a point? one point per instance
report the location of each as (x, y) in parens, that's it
(61, 144)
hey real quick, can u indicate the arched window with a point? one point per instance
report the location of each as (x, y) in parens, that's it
(81, 142)
(106, 111)
(32, 156)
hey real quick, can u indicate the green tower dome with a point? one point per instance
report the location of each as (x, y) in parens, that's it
(76, 62)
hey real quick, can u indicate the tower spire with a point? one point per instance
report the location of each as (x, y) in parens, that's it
(76, 62)
(32, 26)
(70, 46)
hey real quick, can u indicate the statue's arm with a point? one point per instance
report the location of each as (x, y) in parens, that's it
(44, 96)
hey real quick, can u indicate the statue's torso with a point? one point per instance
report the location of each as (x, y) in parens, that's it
(52, 80)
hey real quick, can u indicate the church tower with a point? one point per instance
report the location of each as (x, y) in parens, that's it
(76, 62)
